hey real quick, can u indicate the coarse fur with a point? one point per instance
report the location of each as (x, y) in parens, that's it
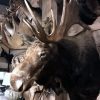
(73, 61)
(77, 66)
(60, 63)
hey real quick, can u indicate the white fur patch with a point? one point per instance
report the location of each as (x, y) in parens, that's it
(19, 83)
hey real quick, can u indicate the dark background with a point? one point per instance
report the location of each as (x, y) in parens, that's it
(4, 2)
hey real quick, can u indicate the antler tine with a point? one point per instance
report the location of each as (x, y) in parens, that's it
(62, 25)
(40, 33)
(63, 13)
(30, 26)
(57, 32)
(38, 25)
(54, 23)
(10, 28)
(35, 32)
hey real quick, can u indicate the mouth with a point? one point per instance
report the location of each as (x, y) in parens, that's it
(35, 88)
(27, 86)
(21, 88)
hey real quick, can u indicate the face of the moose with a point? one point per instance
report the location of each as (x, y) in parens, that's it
(35, 57)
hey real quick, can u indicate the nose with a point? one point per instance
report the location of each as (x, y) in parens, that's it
(16, 83)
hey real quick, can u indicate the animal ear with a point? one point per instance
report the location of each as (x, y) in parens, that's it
(75, 30)
(95, 26)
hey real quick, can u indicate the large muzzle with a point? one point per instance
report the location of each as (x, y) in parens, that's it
(16, 83)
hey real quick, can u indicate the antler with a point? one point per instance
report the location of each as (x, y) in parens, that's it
(70, 16)
(11, 38)
(16, 25)
(10, 26)
(40, 33)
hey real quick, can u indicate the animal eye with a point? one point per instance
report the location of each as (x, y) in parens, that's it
(42, 54)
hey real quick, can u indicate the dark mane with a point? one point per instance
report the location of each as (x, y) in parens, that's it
(86, 14)
(77, 68)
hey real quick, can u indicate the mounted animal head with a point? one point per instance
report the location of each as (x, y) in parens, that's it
(12, 42)
(16, 27)
(42, 56)
(14, 31)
